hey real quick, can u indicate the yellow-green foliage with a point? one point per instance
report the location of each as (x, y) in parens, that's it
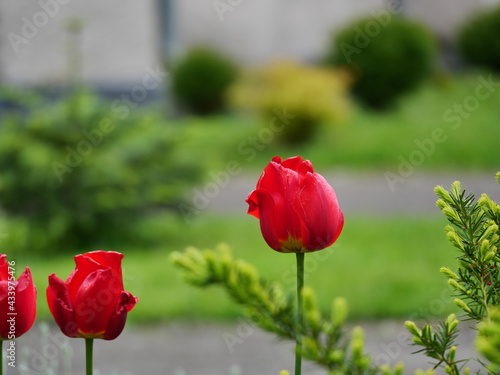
(309, 95)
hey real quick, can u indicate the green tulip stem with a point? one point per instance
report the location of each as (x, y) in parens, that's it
(89, 344)
(1, 357)
(300, 313)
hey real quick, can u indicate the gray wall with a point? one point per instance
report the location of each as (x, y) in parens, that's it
(122, 38)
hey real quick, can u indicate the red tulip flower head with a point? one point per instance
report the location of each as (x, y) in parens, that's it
(297, 208)
(17, 301)
(92, 302)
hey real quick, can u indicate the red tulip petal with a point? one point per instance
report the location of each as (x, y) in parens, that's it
(60, 306)
(91, 262)
(94, 303)
(298, 164)
(317, 206)
(4, 268)
(267, 221)
(25, 305)
(111, 259)
(253, 204)
(126, 303)
(4, 309)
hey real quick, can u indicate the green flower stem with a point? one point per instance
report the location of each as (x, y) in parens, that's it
(1, 357)
(89, 344)
(300, 313)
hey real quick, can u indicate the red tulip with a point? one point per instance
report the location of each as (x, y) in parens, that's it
(297, 208)
(92, 302)
(17, 301)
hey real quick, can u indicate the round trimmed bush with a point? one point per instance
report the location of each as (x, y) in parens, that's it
(200, 80)
(479, 40)
(387, 58)
(307, 96)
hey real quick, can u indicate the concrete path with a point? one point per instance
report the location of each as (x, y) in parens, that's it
(370, 193)
(192, 349)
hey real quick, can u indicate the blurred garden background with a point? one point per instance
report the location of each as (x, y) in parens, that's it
(122, 123)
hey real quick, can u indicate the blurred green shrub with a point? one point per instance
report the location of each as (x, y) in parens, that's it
(308, 96)
(200, 80)
(479, 41)
(387, 58)
(82, 174)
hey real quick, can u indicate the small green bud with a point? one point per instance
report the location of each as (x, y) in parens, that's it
(484, 248)
(489, 257)
(451, 213)
(358, 342)
(399, 368)
(462, 305)
(412, 328)
(456, 285)
(386, 370)
(452, 353)
(284, 372)
(456, 188)
(454, 238)
(417, 341)
(451, 323)
(467, 371)
(449, 273)
(310, 347)
(441, 204)
(337, 356)
(339, 311)
(441, 192)
(448, 370)
(427, 331)
(491, 230)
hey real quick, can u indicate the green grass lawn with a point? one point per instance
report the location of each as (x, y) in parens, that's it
(369, 140)
(384, 267)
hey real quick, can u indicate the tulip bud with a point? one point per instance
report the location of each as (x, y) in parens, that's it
(297, 208)
(96, 285)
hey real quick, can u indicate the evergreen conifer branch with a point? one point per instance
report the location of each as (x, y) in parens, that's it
(325, 340)
(474, 231)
